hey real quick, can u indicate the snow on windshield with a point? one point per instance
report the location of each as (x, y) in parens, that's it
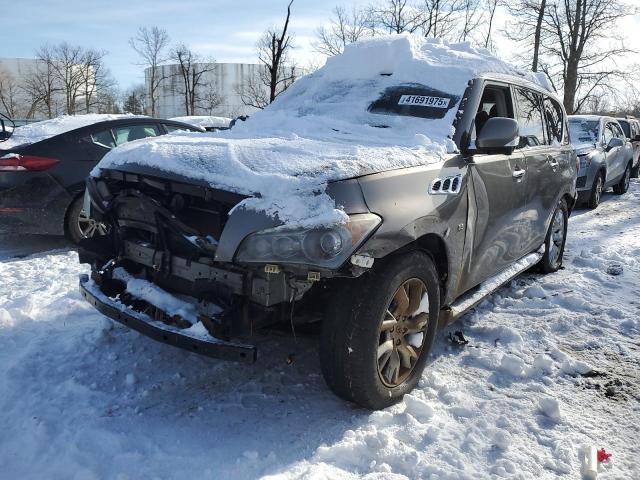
(385, 103)
(38, 131)
(584, 131)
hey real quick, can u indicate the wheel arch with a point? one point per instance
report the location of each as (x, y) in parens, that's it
(435, 247)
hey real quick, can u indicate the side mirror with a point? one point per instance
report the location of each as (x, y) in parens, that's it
(614, 142)
(498, 134)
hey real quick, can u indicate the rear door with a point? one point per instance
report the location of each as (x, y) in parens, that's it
(498, 198)
(547, 155)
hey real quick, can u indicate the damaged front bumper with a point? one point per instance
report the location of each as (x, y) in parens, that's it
(159, 331)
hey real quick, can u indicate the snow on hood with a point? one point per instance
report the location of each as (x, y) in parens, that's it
(204, 121)
(325, 128)
(38, 131)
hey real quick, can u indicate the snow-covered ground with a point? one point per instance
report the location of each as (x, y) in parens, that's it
(552, 364)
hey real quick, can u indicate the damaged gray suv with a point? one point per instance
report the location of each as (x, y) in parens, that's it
(380, 199)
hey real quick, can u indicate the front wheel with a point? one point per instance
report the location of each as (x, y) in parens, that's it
(622, 186)
(379, 329)
(80, 225)
(555, 240)
(596, 191)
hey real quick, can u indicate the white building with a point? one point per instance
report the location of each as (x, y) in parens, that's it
(15, 74)
(225, 80)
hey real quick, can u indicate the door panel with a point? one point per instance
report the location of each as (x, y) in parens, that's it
(499, 198)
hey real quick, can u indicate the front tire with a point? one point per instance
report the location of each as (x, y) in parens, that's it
(555, 240)
(596, 191)
(379, 329)
(622, 186)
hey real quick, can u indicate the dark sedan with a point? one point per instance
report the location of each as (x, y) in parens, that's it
(43, 167)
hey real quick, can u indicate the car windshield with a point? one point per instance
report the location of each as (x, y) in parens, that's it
(584, 131)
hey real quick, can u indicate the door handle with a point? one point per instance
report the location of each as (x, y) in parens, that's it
(518, 173)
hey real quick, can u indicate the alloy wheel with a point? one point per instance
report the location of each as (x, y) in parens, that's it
(402, 332)
(88, 227)
(627, 178)
(557, 236)
(598, 189)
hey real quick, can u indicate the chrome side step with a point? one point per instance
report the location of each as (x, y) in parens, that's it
(469, 300)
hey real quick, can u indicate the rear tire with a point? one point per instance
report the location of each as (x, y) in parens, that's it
(369, 349)
(622, 186)
(596, 191)
(555, 240)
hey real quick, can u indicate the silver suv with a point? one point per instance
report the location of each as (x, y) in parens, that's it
(422, 241)
(605, 154)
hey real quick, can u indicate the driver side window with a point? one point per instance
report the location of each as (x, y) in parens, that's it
(495, 102)
(609, 133)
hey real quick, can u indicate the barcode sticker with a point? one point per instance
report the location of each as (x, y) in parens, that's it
(424, 101)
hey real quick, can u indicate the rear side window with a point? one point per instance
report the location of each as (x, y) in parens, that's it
(530, 118)
(625, 128)
(619, 132)
(554, 120)
(134, 132)
(104, 139)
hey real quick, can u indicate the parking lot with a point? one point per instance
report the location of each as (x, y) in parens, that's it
(551, 365)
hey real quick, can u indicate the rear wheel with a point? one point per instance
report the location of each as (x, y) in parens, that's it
(622, 186)
(80, 226)
(596, 191)
(555, 240)
(378, 331)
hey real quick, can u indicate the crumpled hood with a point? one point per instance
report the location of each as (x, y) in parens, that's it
(284, 177)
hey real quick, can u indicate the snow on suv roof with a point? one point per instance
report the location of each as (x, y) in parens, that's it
(385, 103)
(38, 131)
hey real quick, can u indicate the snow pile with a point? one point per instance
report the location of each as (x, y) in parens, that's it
(321, 129)
(204, 121)
(77, 388)
(38, 131)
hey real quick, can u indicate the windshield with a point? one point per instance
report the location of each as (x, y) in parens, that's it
(584, 131)
(414, 100)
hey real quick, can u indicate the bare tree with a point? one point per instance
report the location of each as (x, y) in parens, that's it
(210, 98)
(151, 44)
(95, 77)
(344, 28)
(9, 95)
(491, 6)
(191, 72)
(576, 32)
(472, 16)
(441, 17)
(398, 16)
(67, 65)
(528, 16)
(41, 84)
(276, 73)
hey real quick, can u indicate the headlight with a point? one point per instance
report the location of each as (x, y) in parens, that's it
(326, 247)
(585, 161)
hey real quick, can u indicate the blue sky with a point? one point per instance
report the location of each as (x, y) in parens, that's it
(224, 29)
(227, 30)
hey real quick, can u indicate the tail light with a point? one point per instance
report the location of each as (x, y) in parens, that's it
(19, 163)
